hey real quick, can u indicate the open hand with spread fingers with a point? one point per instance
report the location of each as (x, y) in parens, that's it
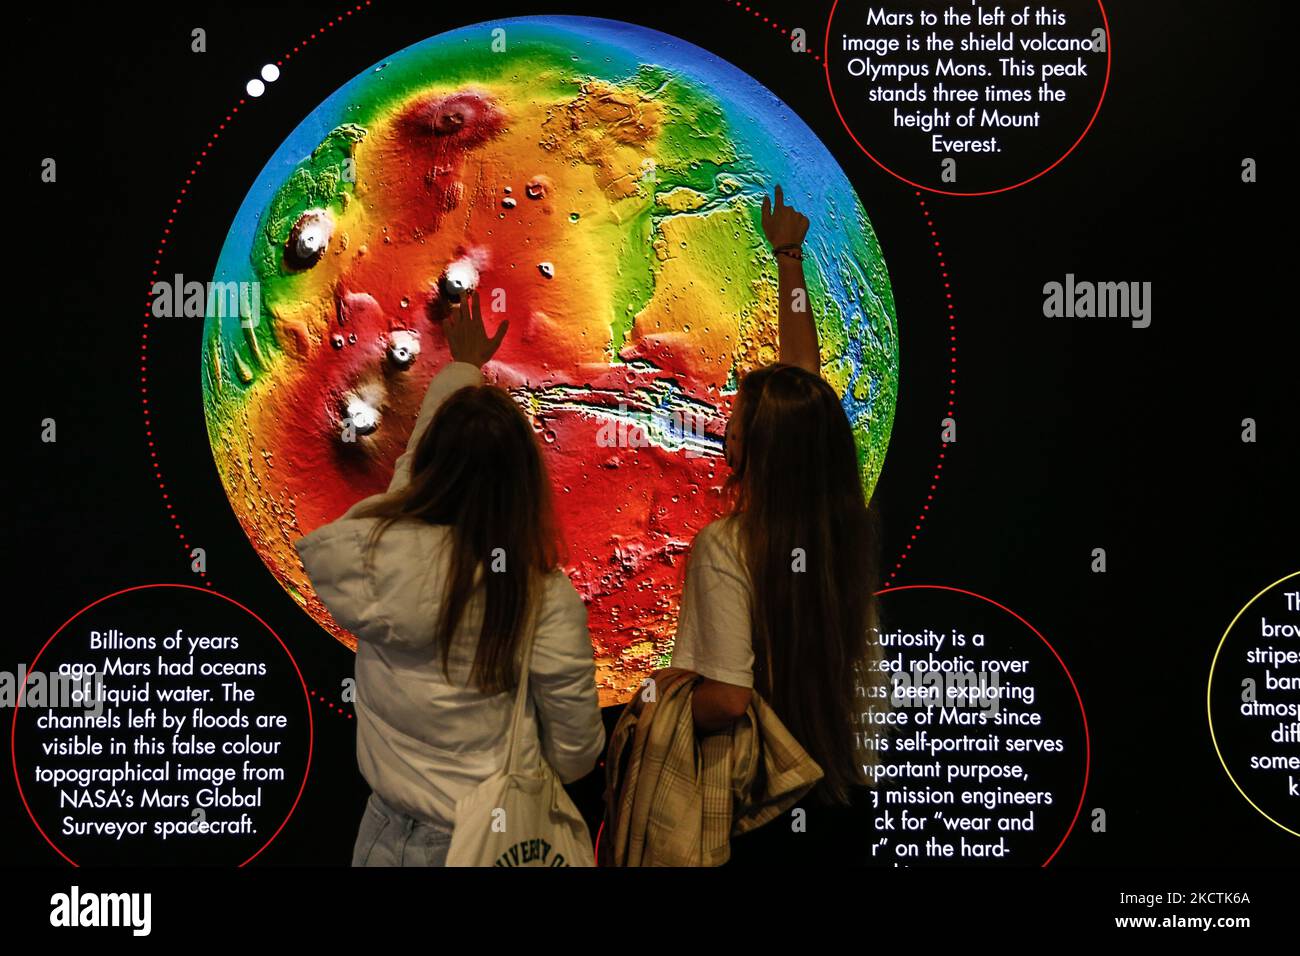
(467, 338)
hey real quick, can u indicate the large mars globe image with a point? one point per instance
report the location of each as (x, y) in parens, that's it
(599, 184)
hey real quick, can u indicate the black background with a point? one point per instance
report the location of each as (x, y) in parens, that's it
(1073, 434)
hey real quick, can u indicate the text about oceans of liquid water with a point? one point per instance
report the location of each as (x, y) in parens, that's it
(184, 740)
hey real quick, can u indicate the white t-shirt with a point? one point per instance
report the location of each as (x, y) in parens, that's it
(713, 629)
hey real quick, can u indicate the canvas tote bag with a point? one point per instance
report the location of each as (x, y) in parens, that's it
(520, 816)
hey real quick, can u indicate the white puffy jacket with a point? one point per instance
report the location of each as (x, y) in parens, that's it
(424, 741)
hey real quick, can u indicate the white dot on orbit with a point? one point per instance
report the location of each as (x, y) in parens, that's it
(255, 88)
(270, 72)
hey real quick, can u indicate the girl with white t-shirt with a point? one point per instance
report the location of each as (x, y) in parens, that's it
(778, 597)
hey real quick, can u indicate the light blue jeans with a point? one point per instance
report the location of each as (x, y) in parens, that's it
(389, 837)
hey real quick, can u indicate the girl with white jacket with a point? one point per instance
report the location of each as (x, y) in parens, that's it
(436, 579)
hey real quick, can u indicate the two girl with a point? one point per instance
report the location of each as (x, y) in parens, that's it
(778, 594)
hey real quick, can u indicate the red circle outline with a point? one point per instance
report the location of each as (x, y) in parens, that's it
(1087, 738)
(826, 65)
(13, 730)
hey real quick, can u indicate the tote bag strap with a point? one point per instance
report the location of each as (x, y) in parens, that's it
(525, 665)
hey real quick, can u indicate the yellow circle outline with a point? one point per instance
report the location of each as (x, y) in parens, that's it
(1210, 716)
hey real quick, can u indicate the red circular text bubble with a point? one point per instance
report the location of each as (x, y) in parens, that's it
(830, 86)
(32, 669)
(1087, 740)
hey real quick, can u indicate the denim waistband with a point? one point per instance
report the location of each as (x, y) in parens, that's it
(409, 822)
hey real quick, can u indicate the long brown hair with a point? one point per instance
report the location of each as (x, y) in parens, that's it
(477, 469)
(810, 542)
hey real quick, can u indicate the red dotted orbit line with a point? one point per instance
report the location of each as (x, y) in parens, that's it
(775, 26)
(952, 335)
(330, 705)
(153, 277)
(952, 389)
